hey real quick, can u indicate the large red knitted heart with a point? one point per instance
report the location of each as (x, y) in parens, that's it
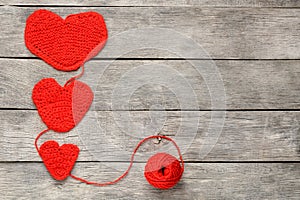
(65, 44)
(59, 160)
(61, 108)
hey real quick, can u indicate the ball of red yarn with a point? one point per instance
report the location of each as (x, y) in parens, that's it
(163, 171)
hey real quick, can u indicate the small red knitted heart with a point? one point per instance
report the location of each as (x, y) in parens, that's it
(61, 108)
(65, 44)
(59, 160)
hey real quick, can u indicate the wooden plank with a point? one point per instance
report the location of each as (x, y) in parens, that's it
(247, 84)
(199, 181)
(202, 3)
(235, 33)
(109, 136)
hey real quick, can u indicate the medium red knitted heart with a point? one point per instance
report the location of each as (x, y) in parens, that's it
(65, 44)
(59, 160)
(61, 108)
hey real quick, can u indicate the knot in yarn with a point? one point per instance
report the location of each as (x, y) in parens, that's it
(163, 171)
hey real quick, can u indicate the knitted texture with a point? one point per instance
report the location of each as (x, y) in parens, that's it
(59, 160)
(163, 171)
(61, 108)
(65, 44)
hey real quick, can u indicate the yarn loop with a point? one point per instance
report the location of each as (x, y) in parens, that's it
(162, 170)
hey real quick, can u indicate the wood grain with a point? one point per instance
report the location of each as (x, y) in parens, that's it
(256, 47)
(200, 181)
(202, 3)
(225, 33)
(248, 84)
(110, 136)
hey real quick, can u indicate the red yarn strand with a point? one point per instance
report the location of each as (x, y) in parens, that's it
(131, 162)
(75, 77)
(38, 137)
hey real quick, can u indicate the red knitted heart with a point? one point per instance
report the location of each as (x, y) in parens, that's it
(65, 44)
(61, 108)
(59, 160)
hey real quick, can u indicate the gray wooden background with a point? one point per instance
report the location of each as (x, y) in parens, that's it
(254, 43)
